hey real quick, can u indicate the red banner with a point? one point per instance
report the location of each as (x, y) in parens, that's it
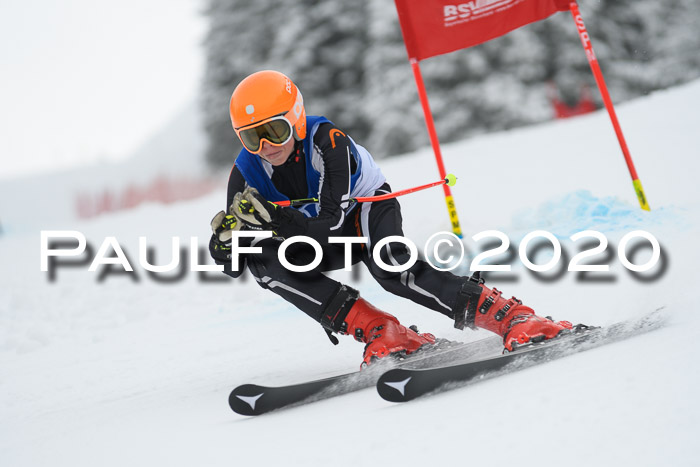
(434, 27)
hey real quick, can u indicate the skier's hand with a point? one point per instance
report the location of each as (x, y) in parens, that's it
(220, 251)
(220, 244)
(255, 211)
(223, 224)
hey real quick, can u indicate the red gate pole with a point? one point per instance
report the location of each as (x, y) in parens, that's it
(451, 209)
(598, 74)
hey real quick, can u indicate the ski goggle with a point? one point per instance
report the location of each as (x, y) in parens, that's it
(276, 131)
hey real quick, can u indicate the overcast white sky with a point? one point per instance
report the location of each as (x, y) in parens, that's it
(89, 80)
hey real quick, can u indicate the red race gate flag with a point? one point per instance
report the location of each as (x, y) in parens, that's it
(434, 27)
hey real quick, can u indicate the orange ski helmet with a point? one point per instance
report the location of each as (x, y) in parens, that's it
(267, 97)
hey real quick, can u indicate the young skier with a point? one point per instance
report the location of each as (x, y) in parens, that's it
(288, 155)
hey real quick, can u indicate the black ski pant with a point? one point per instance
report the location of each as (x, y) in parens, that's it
(312, 291)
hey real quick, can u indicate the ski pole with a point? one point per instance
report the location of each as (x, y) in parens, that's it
(449, 180)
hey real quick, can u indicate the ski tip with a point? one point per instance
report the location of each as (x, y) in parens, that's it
(245, 399)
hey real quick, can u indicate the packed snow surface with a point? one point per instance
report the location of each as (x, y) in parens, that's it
(127, 369)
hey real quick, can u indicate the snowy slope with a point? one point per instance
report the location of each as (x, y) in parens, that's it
(129, 371)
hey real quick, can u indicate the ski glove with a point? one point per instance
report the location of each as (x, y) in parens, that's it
(255, 211)
(223, 224)
(219, 251)
(220, 244)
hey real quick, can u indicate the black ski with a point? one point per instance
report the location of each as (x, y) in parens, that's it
(405, 384)
(253, 399)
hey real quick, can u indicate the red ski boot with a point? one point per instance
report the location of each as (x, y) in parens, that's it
(382, 332)
(516, 323)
